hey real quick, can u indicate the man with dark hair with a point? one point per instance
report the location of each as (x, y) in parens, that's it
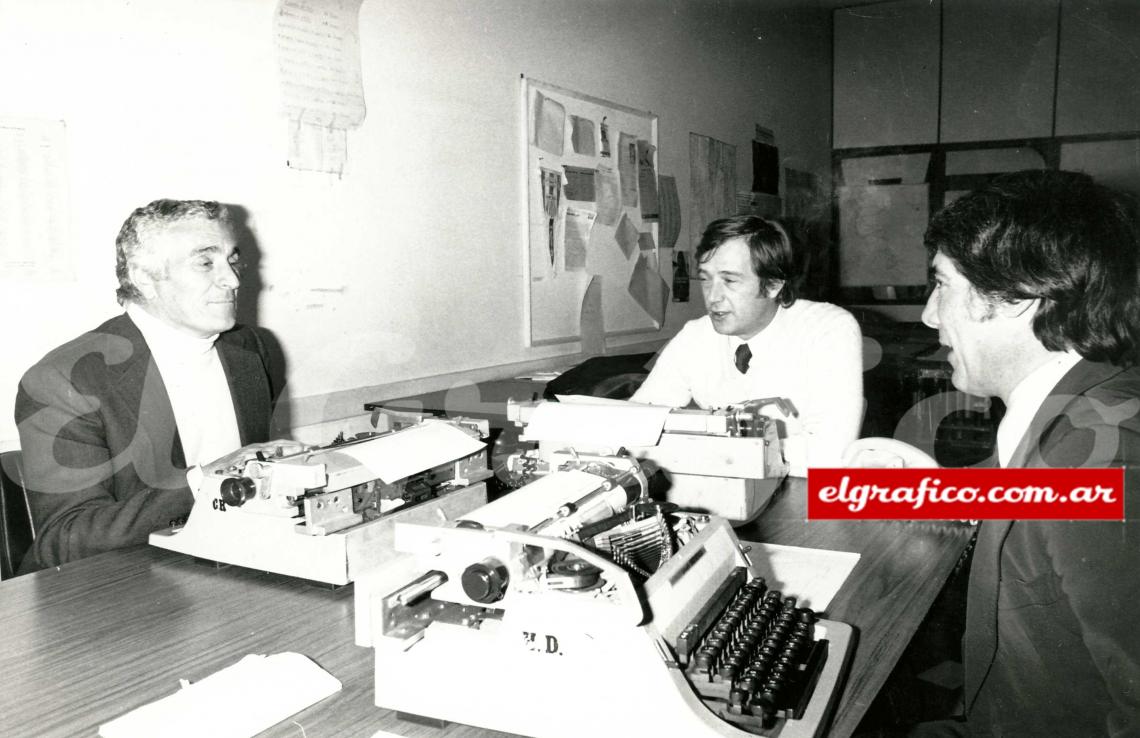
(119, 424)
(759, 340)
(1037, 294)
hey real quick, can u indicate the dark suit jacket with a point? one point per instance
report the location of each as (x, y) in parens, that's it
(1052, 644)
(103, 462)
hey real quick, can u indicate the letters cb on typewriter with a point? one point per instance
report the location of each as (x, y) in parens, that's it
(326, 513)
(577, 605)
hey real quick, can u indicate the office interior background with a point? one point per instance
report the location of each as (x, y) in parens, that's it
(404, 271)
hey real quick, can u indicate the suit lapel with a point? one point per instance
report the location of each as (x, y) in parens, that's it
(245, 374)
(1076, 382)
(142, 392)
(980, 644)
(139, 385)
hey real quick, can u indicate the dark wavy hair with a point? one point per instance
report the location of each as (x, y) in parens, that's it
(773, 255)
(1058, 237)
(131, 245)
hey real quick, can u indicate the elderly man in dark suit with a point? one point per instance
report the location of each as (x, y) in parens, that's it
(118, 425)
(1037, 295)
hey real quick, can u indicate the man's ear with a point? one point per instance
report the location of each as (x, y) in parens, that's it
(772, 287)
(144, 280)
(1020, 309)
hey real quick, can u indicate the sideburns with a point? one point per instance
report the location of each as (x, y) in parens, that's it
(986, 303)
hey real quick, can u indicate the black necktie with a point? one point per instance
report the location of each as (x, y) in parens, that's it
(743, 356)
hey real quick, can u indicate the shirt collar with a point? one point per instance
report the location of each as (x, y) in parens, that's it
(1027, 398)
(765, 333)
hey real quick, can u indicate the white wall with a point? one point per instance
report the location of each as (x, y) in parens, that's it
(406, 272)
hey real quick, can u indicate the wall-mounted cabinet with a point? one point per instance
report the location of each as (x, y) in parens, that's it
(998, 67)
(912, 72)
(1020, 84)
(1098, 87)
(886, 74)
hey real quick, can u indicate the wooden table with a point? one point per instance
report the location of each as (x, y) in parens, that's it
(87, 642)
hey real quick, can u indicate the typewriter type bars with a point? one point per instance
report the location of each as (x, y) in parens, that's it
(757, 659)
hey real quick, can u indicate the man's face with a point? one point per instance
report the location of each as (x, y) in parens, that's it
(195, 288)
(984, 340)
(736, 304)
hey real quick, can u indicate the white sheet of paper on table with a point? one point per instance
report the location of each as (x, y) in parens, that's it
(812, 575)
(239, 701)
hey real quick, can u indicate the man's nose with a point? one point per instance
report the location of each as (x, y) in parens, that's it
(227, 276)
(713, 290)
(930, 312)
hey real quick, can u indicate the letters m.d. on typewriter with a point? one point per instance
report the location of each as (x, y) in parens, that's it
(577, 606)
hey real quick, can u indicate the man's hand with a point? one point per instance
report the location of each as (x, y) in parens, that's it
(888, 453)
(234, 460)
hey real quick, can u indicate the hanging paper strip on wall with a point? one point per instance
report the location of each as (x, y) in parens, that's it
(551, 200)
(322, 93)
(580, 184)
(627, 168)
(627, 236)
(712, 182)
(549, 124)
(582, 135)
(645, 242)
(609, 196)
(579, 224)
(647, 288)
(647, 180)
(670, 207)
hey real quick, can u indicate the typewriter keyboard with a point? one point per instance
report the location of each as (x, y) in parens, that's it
(756, 660)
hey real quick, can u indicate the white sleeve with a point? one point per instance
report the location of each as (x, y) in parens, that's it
(833, 411)
(667, 383)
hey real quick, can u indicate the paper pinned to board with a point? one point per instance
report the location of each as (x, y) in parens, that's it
(608, 426)
(241, 700)
(647, 288)
(811, 575)
(321, 83)
(34, 239)
(398, 455)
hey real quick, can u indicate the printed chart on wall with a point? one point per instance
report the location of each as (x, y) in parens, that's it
(593, 212)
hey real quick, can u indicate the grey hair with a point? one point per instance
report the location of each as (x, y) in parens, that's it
(132, 245)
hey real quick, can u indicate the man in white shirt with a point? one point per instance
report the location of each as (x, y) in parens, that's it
(758, 340)
(1037, 295)
(119, 424)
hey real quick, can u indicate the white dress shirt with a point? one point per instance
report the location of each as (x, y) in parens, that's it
(811, 353)
(1026, 400)
(196, 385)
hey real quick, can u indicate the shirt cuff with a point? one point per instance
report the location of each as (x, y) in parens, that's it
(194, 477)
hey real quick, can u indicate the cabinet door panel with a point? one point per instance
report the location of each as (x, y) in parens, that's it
(1098, 80)
(886, 74)
(998, 69)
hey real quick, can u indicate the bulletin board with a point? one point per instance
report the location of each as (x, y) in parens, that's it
(593, 209)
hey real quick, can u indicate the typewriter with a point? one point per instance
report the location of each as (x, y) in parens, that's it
(726, 462)
(326, 513)
(576, 605)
